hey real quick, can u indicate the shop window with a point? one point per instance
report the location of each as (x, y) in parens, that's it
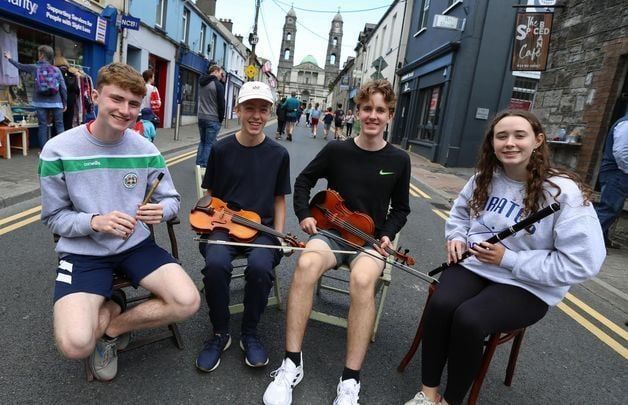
(523, 93)
(423, 14)
(201, 40)
(429, 111)
(160, 18)
(189, 86)
(186, 25)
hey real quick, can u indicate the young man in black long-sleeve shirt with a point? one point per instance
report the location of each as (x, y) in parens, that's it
(370, 175)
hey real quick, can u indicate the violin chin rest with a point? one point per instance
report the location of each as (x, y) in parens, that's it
(204, 202)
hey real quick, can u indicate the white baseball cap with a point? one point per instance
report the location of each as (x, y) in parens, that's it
(255, 90)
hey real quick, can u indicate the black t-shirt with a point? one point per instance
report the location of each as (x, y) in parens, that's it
(328, 118)
(338, 116)
(250, 177)
(369, 182)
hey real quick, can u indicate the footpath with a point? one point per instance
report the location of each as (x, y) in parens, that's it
(19, 183)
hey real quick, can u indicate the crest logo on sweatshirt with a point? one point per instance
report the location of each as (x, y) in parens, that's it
(130, 180)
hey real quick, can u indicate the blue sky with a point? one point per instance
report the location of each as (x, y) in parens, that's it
(311, 26)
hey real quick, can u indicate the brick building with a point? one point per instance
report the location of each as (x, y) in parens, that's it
(585, 77)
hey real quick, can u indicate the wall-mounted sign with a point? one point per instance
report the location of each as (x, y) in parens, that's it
(129, 22)
(61, 15)
(531, 42)
(481, 113)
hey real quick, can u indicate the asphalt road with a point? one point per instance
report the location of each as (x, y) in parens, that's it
(560, 362)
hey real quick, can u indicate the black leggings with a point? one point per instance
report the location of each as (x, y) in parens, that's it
(464, 309)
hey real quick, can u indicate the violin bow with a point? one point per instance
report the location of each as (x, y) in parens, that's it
(361, 249)
(284, 248)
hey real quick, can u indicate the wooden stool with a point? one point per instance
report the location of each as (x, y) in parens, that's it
(490, 345)
(5, 140)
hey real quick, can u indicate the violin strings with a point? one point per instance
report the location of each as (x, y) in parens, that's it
(252, 224)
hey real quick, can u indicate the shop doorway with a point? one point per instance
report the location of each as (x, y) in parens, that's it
(399, 136)
(160, 67)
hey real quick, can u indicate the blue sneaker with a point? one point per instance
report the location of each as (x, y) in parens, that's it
(209, 358)
(254, 353)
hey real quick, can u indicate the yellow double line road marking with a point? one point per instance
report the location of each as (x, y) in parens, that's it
(588, 325)
(36, 211)
(416, 192)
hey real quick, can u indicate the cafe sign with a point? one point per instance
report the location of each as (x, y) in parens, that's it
(532, 40)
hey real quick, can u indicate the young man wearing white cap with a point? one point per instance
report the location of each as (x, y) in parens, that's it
(248, 171)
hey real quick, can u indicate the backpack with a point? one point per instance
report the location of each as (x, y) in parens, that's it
(46, 80)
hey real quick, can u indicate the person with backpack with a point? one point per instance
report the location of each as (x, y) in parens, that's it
(50, 95)
(145, 125)
(71, 79)
(339, 116)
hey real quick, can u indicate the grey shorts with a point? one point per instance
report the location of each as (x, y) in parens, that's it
(341, 258)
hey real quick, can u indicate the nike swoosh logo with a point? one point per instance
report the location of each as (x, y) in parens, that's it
(383, 173)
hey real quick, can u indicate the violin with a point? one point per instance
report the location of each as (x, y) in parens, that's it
(212, 213)
(330, 212)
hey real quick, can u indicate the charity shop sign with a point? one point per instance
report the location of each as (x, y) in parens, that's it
(59, 14)
(531, 41)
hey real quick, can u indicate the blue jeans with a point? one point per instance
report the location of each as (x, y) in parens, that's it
(614, 192)
(42, 117)
(208, 131)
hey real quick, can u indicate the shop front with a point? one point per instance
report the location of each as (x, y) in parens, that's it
(232, 89)
(148, 49)
(81, 39)
(190, 69)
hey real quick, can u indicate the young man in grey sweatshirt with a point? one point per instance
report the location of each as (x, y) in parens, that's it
(94, 179)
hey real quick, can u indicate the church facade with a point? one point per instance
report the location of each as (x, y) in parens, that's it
(308, 80)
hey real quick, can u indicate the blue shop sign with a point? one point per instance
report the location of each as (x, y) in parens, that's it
(61, 15)
(129, 22)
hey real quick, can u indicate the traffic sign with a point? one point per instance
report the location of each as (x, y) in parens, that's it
(379, 64)
(250, 71)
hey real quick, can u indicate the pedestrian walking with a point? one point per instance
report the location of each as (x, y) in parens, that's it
(511, 284)
(614, 176)
(281, 118)
(211, 111)
(307, 112)
(152, 99)
(50, 95)
(315, 114)
(292, 109)
(349, 119)
(339, 115)
(328, 118)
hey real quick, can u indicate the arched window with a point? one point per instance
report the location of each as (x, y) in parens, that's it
(334, 41)
(289, 36)
(332, 59)
(286, 54)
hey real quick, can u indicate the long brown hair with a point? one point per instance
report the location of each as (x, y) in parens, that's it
(539, 168)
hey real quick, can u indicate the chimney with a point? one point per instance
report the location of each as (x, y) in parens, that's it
(208, 7)
(240, 38)
(228, 24)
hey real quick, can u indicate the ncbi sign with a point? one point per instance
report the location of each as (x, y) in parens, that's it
(61, 15)
(129, 22)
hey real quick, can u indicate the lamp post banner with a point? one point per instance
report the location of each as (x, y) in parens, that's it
(531, 41)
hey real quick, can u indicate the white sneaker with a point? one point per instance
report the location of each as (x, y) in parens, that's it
(286, 377)
(421, 399)
(348, 391)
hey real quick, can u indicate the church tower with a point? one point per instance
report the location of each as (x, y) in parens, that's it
(286, 55)
(332, 60)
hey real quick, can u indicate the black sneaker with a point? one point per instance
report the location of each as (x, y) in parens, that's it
(255, 355)
(209, 358)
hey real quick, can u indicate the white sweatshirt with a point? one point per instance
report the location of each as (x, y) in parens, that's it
(561, 250)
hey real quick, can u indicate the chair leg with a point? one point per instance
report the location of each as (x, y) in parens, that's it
(419, 334)
(491, 345)
(277, 289)
(176, 335)
(514, 354)
(380, 308)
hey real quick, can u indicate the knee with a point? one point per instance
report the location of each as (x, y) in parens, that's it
(468, 322)
(186, 303)
(77, 343)
(362, 286)
(259, 274)
(307, 272)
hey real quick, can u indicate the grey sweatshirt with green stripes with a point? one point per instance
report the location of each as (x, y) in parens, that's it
(81, 176)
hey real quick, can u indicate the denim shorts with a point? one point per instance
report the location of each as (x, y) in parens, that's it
(94, 274)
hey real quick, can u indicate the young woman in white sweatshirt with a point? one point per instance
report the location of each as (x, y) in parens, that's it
(511, 284)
